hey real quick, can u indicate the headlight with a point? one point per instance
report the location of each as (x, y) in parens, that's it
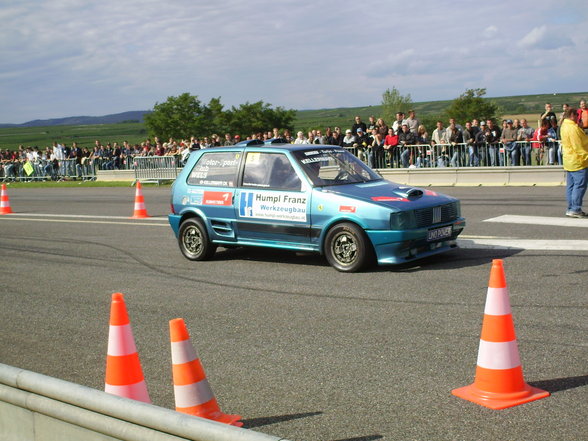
(402, 220)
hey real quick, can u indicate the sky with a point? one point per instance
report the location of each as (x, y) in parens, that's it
(63, 58)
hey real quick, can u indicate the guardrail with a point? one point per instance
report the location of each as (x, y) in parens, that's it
(33, 404)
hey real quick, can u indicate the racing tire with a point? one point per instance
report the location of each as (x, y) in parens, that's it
(194, 241)
(347, 248)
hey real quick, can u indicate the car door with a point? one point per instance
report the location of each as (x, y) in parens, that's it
(271, 206)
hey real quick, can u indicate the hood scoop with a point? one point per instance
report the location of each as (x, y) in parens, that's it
(409, 192)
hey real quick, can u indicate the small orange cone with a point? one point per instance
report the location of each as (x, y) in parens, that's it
(192, 392)
(140, 210)
(124, 376)
(4, 201)
(499, 381)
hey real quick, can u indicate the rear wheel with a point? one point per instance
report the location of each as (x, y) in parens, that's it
(193, 240)
(347, 248)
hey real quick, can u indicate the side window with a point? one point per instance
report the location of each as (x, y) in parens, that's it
(270, 170)
(216, 169)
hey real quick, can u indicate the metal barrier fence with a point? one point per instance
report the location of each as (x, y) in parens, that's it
(44, 170)
(156, 168)
(461, 155)
(166, 168)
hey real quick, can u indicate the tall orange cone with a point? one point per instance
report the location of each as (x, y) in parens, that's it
(124, 376)
(499, 381)
(192, 392)
(140, 210)
(4, 201)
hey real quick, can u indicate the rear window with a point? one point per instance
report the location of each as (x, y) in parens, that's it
(218, 169)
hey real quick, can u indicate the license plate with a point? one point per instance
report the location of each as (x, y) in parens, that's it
(439, 233)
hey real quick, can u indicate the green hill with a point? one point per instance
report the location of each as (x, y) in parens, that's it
(136, 132)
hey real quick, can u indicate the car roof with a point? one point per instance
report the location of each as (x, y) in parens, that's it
(289, 147)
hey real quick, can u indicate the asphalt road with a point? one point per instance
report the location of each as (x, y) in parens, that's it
(298, 349)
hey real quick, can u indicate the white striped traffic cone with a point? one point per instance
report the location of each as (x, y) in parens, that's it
(4, 201)
(140, 211)
(499, 381)
(192, 392)
(124, 376)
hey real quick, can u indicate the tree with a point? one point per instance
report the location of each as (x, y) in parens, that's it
(470, 105)
(393, 102)
(259, 117)
(177, 117)
(184, 116)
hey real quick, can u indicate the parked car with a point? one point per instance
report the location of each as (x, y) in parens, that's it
(307, 197)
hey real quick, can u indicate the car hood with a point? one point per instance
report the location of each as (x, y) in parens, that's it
(390, 194)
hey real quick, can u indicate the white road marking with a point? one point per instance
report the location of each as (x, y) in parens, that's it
(524, 244)
(133, 222)
(540, 220)
(82, 216)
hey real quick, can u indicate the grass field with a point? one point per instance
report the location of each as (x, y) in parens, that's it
(527, 106)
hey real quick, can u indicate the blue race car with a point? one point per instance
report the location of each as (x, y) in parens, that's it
(306, 197)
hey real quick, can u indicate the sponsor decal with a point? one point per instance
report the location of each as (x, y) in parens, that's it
(320, 207)
(347, 209)
(185, 200)
(431, 193)
(389, 199)
(273, 205)
(217, 198)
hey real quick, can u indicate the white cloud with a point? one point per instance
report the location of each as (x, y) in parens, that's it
(70, 57)
(541, 38)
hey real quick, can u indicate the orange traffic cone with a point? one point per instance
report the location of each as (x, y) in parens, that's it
(192, 392)
(140, 210)
(4, 201)
(499, 381)
(124, 376)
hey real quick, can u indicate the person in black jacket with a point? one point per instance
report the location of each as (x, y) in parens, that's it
(406, 138)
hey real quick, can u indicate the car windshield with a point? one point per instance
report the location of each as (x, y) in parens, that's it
(334, 166)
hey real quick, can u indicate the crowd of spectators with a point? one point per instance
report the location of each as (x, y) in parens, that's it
(404, 143)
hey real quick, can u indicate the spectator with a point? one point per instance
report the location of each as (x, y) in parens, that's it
(524, 137)
(481, 141)
(406, 139)
(439, 135)
(493, 148)
(455, 151)
(413, 122)
(371, 124)
(548, 115)
(358, 125)
(583, 116)
(575, 162)
(390, 146)
(423, 143)
(300, 139)
(349, 140)
(508, 139)
(397, 125)
(376, 155)
(228, 140)
(541, 135)
(469, 138)
(382, 127)
(363, 142)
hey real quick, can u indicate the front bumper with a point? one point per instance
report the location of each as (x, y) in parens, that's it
(400, 246)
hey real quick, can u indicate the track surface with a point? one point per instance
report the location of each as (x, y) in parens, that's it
(298, 349)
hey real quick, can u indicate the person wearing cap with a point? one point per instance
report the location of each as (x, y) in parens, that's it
(574, 143)
(349, 139)
(363, 143)
(508, 139)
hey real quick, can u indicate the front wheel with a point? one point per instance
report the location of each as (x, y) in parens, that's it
(347, 248)
(194, 242)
